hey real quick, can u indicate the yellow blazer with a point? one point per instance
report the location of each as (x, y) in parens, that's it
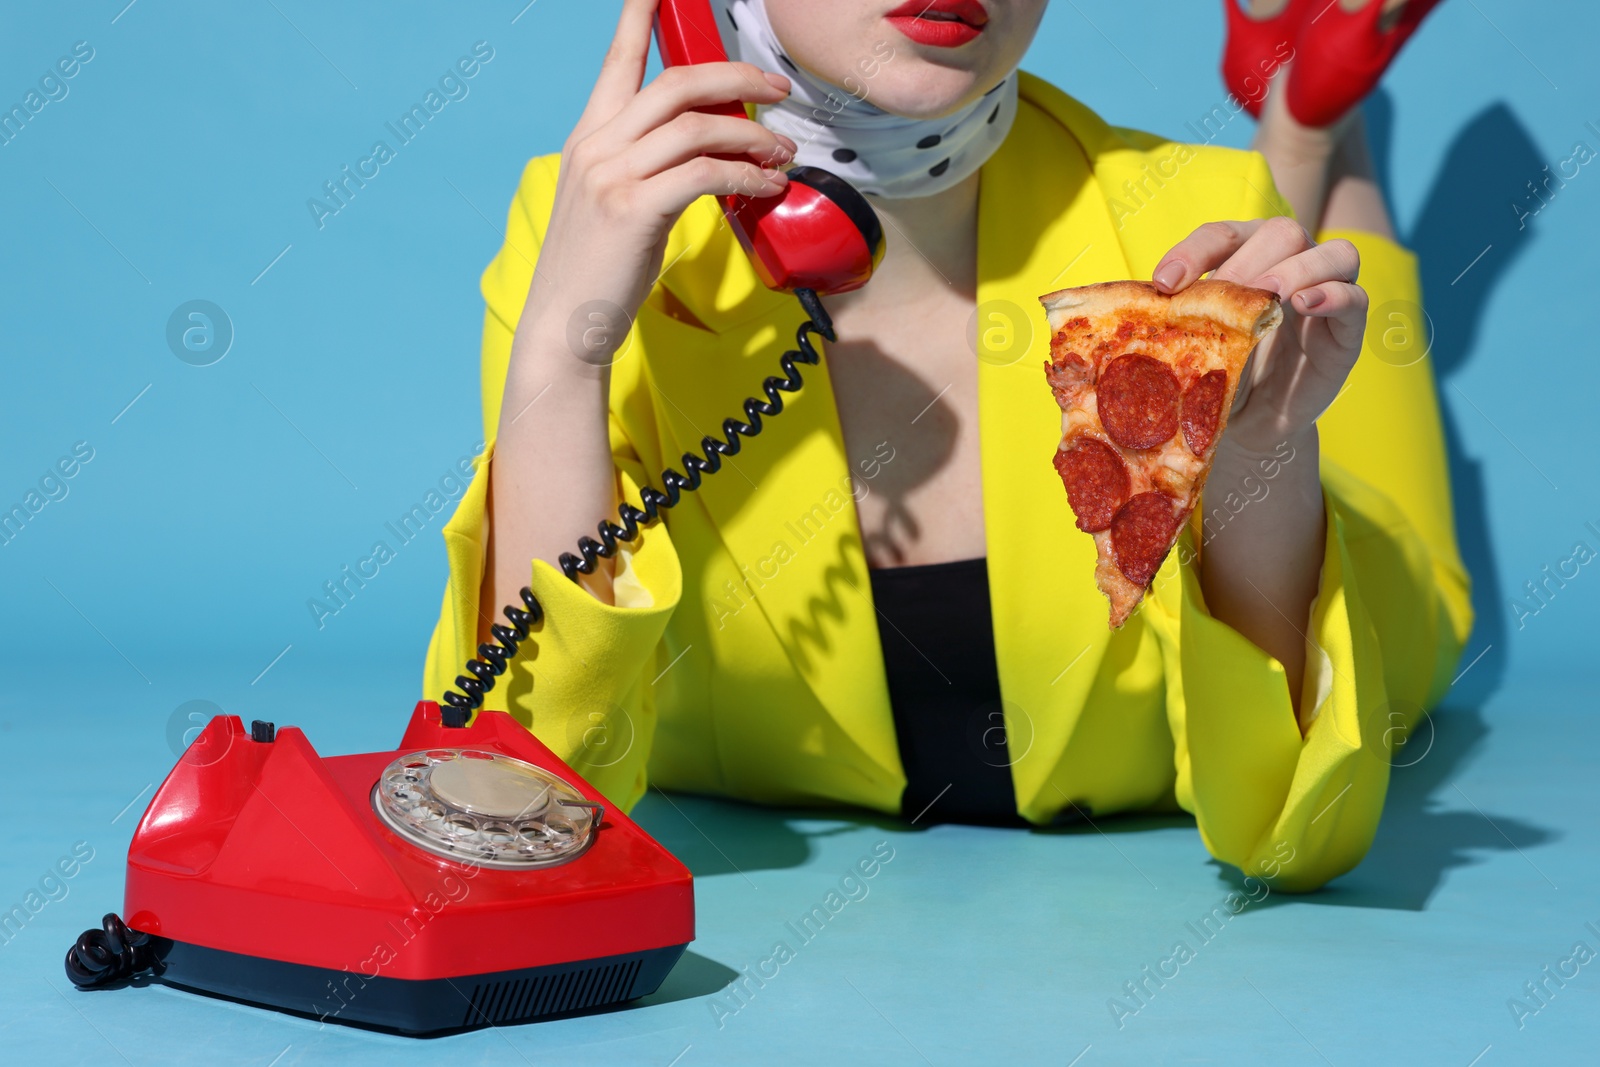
(742, 656)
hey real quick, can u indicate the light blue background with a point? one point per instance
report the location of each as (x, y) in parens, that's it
(179, 564)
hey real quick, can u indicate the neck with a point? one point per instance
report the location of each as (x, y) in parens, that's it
(932, 243)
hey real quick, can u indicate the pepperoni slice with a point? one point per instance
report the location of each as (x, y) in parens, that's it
(1096, 480)
(1141, 534)
(1138, 401)
(1202, 408)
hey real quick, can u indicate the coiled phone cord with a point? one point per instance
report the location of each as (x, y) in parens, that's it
(110, 954)
(482, 670)
(114, 953)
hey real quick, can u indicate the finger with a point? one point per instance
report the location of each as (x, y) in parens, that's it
(1342, 306)
(670, 192)
(1206, 249)
(1334, 261)
(694, 133)
(622, 71)
(679, 89)
(1274, 241)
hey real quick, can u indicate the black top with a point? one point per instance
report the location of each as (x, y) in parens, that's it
(944, 688)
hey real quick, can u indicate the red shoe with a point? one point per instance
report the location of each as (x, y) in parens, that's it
(1256, 48)
(1340, 55)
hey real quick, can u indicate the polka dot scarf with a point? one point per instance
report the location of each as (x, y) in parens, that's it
(877, 152)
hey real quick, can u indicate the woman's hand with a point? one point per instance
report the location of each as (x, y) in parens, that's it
(636, 159)
(632, 165)
(1261, 555)
(1297, 372)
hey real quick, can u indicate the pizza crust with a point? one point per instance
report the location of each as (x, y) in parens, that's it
(1238, 307)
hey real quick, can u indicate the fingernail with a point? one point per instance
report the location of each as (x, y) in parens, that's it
(790, 143)
(776, 80)
(1271, 283)
(1311, 298)
(1169, 275)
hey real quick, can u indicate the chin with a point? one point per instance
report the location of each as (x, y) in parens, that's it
(919, 90)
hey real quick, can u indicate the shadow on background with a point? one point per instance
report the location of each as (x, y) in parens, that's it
(1073, 821)
(720, 835)
(1466, 237)
(1429, 828)
(716, 836)
(1417, 841)
(693, 976)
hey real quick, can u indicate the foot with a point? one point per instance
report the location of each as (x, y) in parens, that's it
(1342, 52)
(1389, 17)
(1260, 39)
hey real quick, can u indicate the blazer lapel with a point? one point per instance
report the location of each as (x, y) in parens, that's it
(783, 506)
(1029, 245)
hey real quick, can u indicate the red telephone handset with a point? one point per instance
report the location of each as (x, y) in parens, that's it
(819, 233)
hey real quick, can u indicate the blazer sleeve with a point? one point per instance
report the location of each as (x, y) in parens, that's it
(1389, 621)
(581, 681)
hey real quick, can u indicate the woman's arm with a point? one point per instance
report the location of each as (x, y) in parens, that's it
(1260, 571)
(635, 161)
(552, 467)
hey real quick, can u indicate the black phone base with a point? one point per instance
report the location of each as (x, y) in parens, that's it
(431, 1006)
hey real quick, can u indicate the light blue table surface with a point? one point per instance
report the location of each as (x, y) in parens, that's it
(178, 564)
(969, 946)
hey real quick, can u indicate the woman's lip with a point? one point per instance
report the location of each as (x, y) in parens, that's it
(971, 12)
(940, 23)
(939, 34)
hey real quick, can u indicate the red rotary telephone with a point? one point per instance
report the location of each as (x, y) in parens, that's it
(468, 877)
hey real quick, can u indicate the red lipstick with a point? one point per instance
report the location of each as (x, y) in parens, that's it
(939, 23)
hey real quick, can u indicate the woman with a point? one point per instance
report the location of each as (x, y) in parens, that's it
(883, 602)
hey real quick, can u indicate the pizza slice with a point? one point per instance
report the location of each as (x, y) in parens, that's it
(1145, 382)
